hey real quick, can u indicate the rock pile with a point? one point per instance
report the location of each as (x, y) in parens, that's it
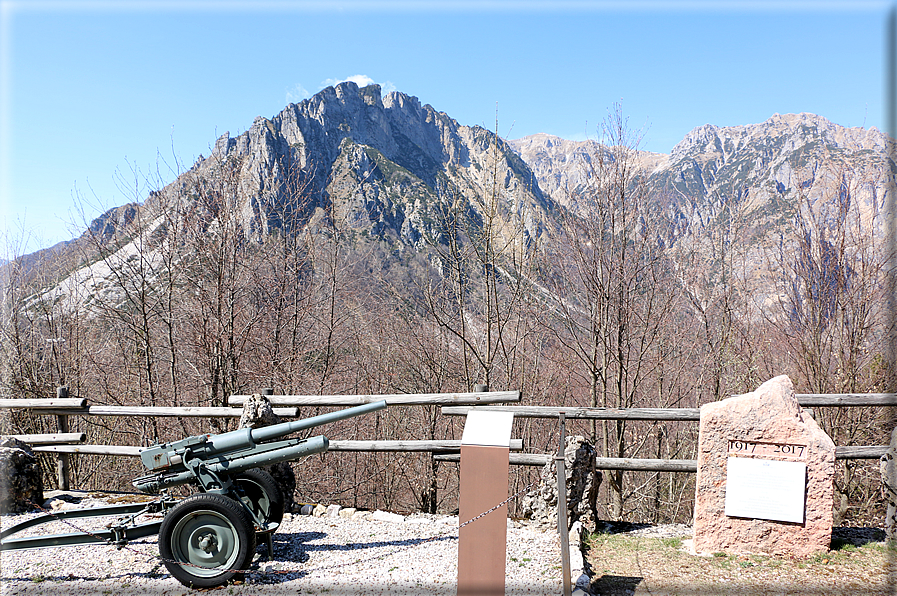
(257, 413)
(583, 481)
(21, 483)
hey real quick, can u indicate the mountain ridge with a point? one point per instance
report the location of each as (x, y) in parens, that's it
(752, 162)
(434, 148)
(394, 168)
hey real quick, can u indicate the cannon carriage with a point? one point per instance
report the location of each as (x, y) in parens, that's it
(208, 538)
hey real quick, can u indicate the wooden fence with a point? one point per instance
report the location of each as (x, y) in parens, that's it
(65, 444)
(452, 404)
(806, 400)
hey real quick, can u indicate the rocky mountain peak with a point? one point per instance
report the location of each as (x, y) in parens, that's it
(757, 165)
(701, 136)
(788, 131)
(380, 162)
(389, 170)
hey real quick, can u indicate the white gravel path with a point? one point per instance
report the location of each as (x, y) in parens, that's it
(313, 555)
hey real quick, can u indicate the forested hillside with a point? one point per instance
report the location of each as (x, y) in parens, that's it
(364, 244)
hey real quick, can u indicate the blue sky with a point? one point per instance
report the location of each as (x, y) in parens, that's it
(92, 92)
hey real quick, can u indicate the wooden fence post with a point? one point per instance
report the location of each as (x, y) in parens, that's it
(563, 528)
(62, 461)
(889, 487)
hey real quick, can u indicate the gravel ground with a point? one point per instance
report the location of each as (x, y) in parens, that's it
(312, 555)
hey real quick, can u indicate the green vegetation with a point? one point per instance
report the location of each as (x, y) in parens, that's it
(645, 565)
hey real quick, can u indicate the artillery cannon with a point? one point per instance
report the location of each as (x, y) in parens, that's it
(206, 539)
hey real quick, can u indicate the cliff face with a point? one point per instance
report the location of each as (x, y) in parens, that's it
(756, 188)
(380, 163)
(769, 164)
(387, 170)
(762, 166)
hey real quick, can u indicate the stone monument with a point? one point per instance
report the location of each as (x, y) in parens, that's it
(764, 482)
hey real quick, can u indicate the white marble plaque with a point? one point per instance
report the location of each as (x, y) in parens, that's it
(488, 427)
(766, 489)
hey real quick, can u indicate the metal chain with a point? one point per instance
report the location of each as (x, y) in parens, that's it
(287, 571)
(422, 541)
(503, 503)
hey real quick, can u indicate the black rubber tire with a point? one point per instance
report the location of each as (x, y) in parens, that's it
(213, 534)
(262, 495)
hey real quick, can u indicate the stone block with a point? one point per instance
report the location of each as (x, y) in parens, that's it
(766, 425)
(258, 413)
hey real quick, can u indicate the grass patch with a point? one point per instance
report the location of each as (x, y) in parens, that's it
(636, 565)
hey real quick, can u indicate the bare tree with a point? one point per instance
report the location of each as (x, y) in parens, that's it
(832, 302)
(486, 279)
(710, 264)
(612, 288)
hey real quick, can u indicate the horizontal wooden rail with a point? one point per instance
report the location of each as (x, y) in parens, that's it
(432, 446)
(52, 438)
(400, 399)
(861, 452)
(44, 404)
(397, 446)
(602, 463)
(673, 414)
(681, 414)
(121, 450)
(529, 459)
(658, 465)
(461, 403)
(156, 411)
(647, 465)
(515, 459)
(842, 400)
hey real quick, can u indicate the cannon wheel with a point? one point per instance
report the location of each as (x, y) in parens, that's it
(206, 540)
(262, 495)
